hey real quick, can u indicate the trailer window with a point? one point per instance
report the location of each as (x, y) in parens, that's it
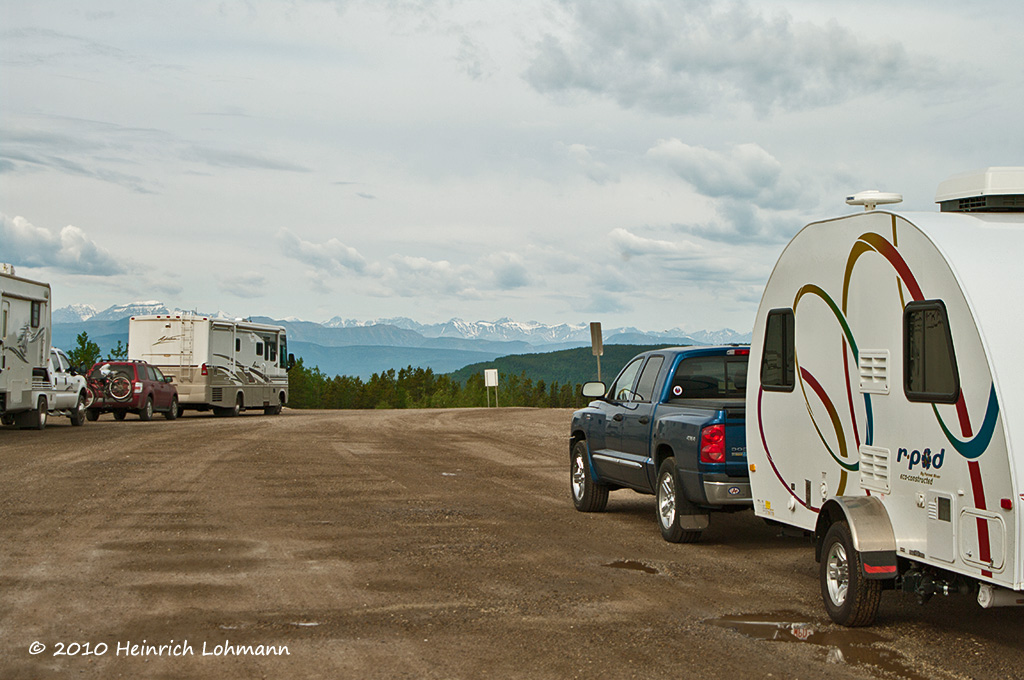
(777, 359)
(929, 362)
(36, 313)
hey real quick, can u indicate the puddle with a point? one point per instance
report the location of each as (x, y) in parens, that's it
(632, 565)
(853, 646)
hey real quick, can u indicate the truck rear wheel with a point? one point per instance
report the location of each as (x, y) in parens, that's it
(670, 502)
(78, 414)
(587, 495)
(850, 599)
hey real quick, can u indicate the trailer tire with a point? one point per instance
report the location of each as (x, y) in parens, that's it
(850, 599)
(670, 502)
(587, 495)
(78, 414)
(172, 412)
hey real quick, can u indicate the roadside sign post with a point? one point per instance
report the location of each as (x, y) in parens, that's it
(597, 344)
(491, 380)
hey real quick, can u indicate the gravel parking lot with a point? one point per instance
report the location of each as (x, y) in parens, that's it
(416, 544)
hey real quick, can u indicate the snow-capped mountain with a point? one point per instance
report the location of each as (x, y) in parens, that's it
(131, 309)
(535, 333)
(502, 330)
(74, 313)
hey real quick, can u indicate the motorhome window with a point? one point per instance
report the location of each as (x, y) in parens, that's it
(929, 362)
(622, 389)
(645, 387)
(272, 350)
(238, 344)
(4, 329)
(777, 360)
(259, 349)
(36, 313)
(712, 377)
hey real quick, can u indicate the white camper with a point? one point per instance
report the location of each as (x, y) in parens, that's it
(26, 394)
(885, 401)
(220, 364)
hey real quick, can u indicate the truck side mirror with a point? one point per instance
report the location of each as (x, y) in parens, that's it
(594, 390)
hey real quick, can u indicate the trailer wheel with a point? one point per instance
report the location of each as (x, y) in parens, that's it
(587, 495)
(670, 502)
(850, 599)
(79, 413)
(172, 412)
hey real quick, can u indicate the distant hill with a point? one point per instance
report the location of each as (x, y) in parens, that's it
(365, 360)
(569, 366)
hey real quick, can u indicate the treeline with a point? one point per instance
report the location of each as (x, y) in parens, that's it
(421, 388)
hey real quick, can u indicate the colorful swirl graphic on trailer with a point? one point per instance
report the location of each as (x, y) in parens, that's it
(969, 444)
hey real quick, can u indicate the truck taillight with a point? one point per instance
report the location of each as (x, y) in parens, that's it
(203, 370)
(712, 444)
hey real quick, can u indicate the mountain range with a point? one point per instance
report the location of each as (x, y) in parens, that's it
(360, 348)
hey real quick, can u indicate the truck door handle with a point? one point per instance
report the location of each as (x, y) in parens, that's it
(644, 420)
(617, 417)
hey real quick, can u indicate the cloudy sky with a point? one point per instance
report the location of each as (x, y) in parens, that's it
(633, 162)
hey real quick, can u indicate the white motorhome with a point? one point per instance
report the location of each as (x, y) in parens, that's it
(220, 364)
(885, 375)
(26, 394)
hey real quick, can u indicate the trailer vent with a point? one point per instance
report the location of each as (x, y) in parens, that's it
(874, 469)
(990, 190)
(874, 371)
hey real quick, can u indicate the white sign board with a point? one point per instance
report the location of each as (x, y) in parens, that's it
(490, 377)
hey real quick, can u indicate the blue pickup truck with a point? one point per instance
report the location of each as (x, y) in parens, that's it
(672, 425)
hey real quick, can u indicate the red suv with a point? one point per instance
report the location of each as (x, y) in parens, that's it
(122, 386)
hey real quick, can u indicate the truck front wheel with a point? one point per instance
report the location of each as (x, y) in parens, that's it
(670, 502)
(850, 599)
(587, 495)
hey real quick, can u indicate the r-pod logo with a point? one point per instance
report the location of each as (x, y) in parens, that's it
(927, 460)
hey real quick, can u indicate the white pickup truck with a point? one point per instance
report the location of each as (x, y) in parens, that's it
(71, 396)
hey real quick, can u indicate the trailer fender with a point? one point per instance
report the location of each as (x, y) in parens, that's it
(870, 529)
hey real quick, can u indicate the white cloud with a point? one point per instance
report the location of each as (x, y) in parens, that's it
(691, 57)
(70, 251)
(332, 257)
(244, 285)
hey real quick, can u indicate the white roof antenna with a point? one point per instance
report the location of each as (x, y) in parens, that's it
(869, 199)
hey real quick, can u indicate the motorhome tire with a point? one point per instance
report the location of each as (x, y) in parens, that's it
(669, 504)
(587, 495)
(79, 413)
(172, 412)
(850, 599)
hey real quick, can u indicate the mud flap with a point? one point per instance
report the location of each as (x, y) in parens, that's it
(698, 522)
(879, 565)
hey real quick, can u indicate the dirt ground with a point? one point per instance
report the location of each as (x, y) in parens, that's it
(410, 544)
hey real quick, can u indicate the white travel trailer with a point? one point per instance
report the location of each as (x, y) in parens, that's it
(885, 401)
(26, 394)
(220, 364)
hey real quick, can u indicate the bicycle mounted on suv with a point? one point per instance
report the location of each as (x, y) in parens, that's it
(122, 387)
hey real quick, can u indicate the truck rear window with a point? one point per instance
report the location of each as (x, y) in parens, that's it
(714, 377)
